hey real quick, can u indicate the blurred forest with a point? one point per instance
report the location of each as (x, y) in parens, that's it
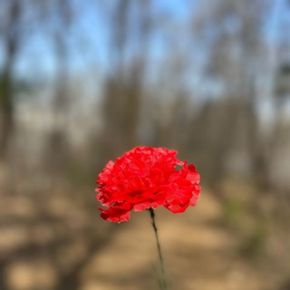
(83, 81)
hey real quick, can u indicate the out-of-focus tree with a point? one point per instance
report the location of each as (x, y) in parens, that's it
(10, 31)
(281, 96)
(129, 25)
(234, 42)
(62, 13)
(18, 22)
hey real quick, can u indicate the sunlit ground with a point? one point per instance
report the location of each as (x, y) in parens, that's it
(59, 242)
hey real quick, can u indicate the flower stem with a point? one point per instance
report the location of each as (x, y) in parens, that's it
(162, 280)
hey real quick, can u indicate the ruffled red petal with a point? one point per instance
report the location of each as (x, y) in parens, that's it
(116, 213)
(143, 178)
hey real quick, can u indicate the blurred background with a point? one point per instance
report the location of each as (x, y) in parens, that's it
(83, 81)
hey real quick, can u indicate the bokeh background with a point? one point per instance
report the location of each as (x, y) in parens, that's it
(83, 81)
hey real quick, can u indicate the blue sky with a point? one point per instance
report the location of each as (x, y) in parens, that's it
(89, 48)
(37, 52)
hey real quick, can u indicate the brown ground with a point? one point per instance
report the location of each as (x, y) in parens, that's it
(199, 254)
(60, 244)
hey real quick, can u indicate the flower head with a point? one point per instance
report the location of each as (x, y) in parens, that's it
(144, 178)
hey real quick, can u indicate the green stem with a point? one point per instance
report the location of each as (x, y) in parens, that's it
(162, 282)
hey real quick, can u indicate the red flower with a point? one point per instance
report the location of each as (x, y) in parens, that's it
(143, 178)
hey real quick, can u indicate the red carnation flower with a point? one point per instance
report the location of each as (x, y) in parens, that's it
(145, 178)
